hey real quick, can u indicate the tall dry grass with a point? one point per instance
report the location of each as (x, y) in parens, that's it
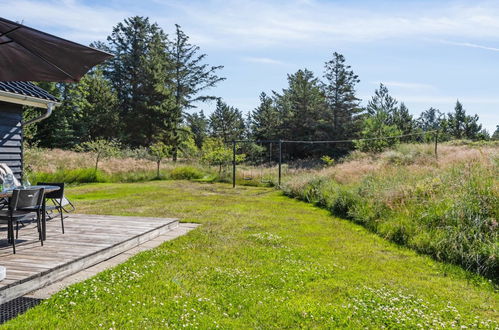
(52, 160)
(351, 169)
(56, 165)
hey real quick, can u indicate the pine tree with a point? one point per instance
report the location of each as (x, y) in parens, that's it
(198, 125)
(483, 135)
(88, 107)
(138, 74)
(128, 42)
(382, 104)
(457, 121)
(96, 103)
(403, 119)
(380, 122)
(156, 108)
(248, 128)
(463, 126)
(495, 136)
(375, 128)
(265, 120)
(190, 78)
(226, 123)
(152, 82)
(302, 107)
(342, 103)
(430, 120)
(473, 130)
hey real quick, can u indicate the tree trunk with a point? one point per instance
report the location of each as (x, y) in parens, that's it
(97, 162)
(157, 171)
(174, 154)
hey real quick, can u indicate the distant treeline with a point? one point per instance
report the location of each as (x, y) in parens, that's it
(146, 94)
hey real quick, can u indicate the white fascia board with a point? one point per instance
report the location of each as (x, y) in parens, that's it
(26, 100)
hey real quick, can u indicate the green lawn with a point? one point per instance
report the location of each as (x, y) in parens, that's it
(259, 260)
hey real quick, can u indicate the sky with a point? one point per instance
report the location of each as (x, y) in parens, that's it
(428, 53)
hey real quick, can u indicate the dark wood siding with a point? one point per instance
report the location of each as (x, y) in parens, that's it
(11, 151)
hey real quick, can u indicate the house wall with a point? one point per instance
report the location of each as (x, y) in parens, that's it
(11, 151)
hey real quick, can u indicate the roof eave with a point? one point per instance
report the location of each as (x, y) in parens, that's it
(26, 100)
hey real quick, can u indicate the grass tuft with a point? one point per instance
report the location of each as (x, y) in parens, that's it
(186, 173)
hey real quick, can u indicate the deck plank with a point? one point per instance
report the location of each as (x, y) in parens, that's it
(88, 239)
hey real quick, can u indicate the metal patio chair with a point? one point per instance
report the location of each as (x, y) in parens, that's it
(60, 204)
(22, 203)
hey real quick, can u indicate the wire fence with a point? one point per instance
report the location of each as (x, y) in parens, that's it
(280, 144)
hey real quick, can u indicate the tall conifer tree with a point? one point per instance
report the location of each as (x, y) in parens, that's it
(266, 120)
(403, 119)
(94, 105)
(227, 123)
(191, 77)
(463, 126)
(430, 119)
(137, 72)
(382, 104)
(342, 103)
(198, 125)
(302, 107)
(379, 122)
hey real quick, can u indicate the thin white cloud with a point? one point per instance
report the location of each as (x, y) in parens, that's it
(70, 19)
(263, 60)
(257, 23)
(469, 44)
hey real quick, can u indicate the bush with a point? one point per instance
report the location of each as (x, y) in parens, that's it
(186, 173)
(327, 161)
(373, 133)
(215, 152)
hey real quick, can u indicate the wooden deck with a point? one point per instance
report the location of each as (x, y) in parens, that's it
(88, 240)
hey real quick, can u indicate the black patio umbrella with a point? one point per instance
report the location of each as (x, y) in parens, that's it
(27, 54)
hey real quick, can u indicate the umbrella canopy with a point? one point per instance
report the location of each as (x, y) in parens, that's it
(27, 54)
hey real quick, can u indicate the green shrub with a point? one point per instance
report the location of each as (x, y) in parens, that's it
(186, 173)
(343, 203)
(327, 161)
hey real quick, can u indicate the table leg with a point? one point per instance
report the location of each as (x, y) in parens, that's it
(44, 221)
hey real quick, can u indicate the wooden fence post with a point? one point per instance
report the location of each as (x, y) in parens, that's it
(280, 161)
(233, 164)
(436, 145)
